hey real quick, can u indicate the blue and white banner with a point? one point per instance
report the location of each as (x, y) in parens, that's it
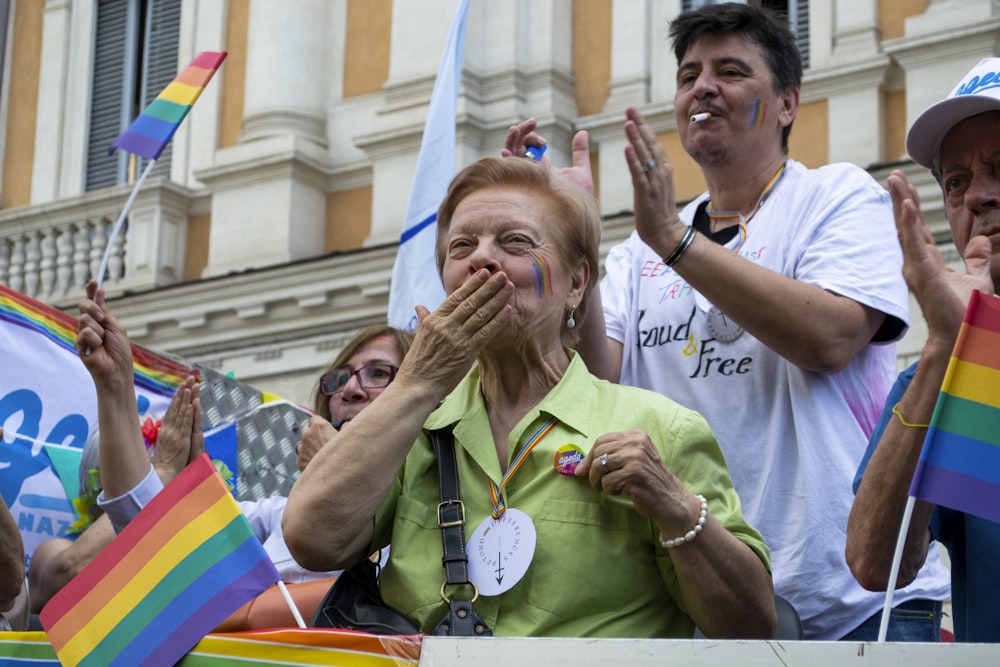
(47, 398)
(415, 279)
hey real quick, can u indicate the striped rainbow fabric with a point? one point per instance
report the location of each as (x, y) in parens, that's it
(291, 647)
(960, 463)
(153, 372)
(187, 561)
(150, 133)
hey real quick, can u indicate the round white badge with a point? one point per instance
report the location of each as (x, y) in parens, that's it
(500, 551)
(721, 327)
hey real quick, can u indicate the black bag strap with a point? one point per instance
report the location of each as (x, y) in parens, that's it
(461, 619)
(451, 510)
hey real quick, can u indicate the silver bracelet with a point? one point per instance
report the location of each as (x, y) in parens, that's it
(693, 533)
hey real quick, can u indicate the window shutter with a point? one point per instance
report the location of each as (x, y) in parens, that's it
(159, 66)
(109, 76)
(135, 58)
(798, 18)
(797, 12)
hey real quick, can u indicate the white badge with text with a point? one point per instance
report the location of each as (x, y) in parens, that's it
(500, 551)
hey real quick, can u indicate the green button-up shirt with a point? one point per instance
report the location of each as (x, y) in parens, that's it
(598, 568)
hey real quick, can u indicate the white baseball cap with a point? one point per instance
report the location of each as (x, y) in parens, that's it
(977, 92)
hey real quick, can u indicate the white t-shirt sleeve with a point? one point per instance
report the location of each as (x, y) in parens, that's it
(264, 515)
(851, 247)
(616, 289)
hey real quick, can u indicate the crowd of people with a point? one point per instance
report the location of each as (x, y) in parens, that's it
(668, 450)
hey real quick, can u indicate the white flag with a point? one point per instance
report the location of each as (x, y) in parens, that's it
(415, 277)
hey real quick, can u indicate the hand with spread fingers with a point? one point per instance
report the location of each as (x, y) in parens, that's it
(449, 340)
(656, 217)
(941, 292)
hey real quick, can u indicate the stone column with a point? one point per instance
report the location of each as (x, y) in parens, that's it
(269, 191)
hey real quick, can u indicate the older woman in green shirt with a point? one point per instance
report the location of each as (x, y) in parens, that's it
(591, 509)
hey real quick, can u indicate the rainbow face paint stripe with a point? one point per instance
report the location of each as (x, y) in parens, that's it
(543, 276)
(757, 118)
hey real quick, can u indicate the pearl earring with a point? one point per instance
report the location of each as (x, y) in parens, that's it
(571, 320)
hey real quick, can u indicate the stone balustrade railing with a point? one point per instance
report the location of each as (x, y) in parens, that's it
(49, 251)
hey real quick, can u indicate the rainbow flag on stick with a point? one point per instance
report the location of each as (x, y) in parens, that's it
(960, 464)
(150, 133)
(187, 561)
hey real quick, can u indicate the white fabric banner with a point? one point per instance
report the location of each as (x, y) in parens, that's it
(48, 397)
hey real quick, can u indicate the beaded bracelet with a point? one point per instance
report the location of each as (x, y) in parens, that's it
(681, 248)
(693, 533)
(899, 416)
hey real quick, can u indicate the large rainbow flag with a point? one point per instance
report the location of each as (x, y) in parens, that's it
(186, 562)
(150, 133)
(282, 646)
(959, 466)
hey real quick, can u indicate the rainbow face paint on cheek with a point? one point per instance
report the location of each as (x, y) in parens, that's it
(757, 117)
(543, 276)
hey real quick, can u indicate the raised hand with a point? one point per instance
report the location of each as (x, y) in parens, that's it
(523, 135)
(102, 343)
(656, 218)
(449, 340)
(942, 293)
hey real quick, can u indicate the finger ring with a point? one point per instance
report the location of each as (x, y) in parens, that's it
(297, 445)
(603, 460)
(650, 163)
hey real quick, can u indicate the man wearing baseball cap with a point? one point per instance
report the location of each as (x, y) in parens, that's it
(958, 139)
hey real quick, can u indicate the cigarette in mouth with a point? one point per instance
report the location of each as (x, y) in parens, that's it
(698, 117)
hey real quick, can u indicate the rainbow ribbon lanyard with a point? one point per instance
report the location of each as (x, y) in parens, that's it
(728, 215)
(496, 492)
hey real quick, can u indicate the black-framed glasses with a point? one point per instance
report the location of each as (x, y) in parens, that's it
(372, 376)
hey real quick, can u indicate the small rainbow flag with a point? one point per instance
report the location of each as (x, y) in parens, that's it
(187, 561)
(150, 133)
(959, 466)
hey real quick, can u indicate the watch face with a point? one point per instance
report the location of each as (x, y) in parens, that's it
(721, 327)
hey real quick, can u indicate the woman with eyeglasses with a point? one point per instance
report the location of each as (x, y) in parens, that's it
(359, 373)
(590, 508)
